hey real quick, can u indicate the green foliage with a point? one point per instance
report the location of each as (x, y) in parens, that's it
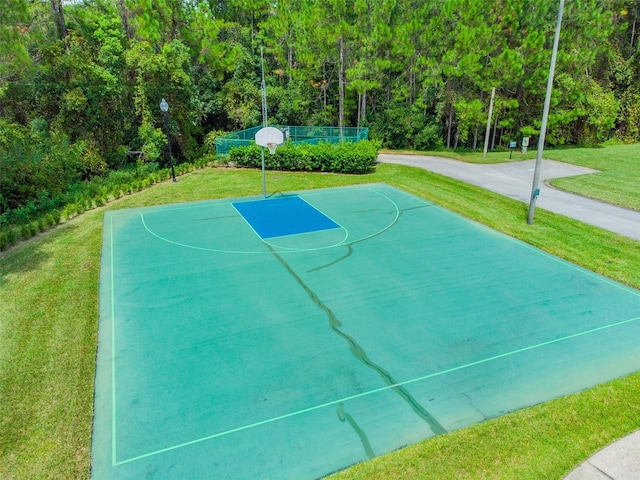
(603, 110)
(529, 131)
(629, 128)
(242, 100)
(14, 55)
(153, 141)
(76, 106)
(35, 163)
(165, 74)
(470, 114)
(45, 212)
(287, 106)
(401, 127)
(343, 157)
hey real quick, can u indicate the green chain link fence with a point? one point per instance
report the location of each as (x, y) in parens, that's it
(293, 134)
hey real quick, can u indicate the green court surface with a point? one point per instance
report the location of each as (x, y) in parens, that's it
(353, 322)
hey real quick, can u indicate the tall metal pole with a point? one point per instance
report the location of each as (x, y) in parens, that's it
(488, 131)
(535, 191)
(263, 85)
(264, 122)
(264, 178)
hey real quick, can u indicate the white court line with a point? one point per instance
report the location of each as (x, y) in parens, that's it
(282, 249)
(113, 350)
(377, 390)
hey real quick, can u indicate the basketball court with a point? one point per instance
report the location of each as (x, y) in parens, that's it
(293, 336)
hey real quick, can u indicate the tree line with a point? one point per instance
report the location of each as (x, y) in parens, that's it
(81, 81)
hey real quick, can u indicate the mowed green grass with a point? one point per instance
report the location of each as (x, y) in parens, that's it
(619, 182)
(49, 325)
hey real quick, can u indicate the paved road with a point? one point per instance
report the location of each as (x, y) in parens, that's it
(514, 179)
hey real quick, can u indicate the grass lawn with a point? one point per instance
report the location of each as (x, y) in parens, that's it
(49, 321)
(619, 182)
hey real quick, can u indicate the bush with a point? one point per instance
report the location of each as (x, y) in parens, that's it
(45, 210)
(12, 236)
(343, 157)
(8, 239)
(25, 231)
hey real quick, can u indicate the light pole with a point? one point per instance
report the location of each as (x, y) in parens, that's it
(535, 191)
(164, 107)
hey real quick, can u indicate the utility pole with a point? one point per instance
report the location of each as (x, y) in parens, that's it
(486, 135)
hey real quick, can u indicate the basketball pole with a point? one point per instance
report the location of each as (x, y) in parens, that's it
(264, 178)
(263, 85)
(535, 191)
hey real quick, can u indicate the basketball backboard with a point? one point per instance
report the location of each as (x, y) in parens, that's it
(269, 137)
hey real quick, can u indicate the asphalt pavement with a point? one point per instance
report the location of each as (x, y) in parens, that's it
(515, 179)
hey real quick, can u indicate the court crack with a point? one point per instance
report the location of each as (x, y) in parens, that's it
(348, 254)
(361, 354)
(342, 415)
(350, 244)
(474, 407)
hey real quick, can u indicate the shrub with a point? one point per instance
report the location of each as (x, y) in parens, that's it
(25, 231)
(45, 210)
(29, 230)
(12, 236)
(8, 238)
(343, 157)
(67, 211)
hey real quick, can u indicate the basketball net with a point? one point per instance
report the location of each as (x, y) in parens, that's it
(272, 147)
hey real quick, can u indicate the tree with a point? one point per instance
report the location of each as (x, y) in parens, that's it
(14, 57)
(86, 78)
(58, 19)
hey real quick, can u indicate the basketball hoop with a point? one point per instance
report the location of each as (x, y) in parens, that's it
(269, 137)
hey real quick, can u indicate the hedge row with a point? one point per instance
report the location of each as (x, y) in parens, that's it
(22, 224)
(344, 157)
